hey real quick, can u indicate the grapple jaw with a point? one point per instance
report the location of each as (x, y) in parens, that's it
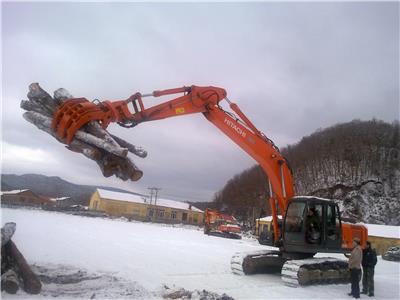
(77, 112)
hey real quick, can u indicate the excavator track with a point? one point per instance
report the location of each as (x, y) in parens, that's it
(263, 261)
(312, 271)
(294, 273)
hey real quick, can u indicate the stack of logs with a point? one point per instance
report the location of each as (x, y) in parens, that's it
(15, 271)
(108, 151)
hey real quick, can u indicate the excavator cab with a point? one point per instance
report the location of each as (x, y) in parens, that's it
(312, 225)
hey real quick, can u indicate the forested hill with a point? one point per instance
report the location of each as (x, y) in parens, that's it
(356, 163)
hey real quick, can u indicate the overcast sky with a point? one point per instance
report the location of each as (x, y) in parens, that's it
(291, 67)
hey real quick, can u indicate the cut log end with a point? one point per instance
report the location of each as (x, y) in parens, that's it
(137, 175)
(7, 231)
(9, 282)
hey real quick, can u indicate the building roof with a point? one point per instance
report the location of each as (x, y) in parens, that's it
(46, 199)
(145, 200)
(388, 231)
(13, 192)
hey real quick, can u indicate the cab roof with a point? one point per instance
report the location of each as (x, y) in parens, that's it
(307, 198)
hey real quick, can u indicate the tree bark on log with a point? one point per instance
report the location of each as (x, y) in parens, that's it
(43, 122)
(108, 151)
(31, 283)
(132, 148)
(14, 265)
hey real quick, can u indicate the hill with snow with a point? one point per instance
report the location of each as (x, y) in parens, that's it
(355, 163)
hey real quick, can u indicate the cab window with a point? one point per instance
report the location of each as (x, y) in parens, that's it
(295, 217)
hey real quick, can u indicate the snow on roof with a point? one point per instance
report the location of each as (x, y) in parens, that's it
(122, 196)
(142, 199)
(268, 218)
(312, 197)
(13, 192)
(176, 204)
(60, 198)
(383, 230)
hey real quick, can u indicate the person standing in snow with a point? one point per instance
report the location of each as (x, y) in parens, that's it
(355, 259)
(369, 261)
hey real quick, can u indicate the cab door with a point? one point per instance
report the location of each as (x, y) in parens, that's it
(333, 232)
(293, 229)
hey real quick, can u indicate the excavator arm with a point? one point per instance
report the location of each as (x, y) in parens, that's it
(75, 113)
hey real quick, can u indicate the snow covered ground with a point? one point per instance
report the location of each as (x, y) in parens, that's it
(102, 258)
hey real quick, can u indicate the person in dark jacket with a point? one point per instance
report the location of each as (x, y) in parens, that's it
(368, 263)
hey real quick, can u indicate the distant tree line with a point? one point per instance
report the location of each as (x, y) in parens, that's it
(244, 195)
(347, 154)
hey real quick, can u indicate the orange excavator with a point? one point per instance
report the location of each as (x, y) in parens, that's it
(220, 224)
(295, 239)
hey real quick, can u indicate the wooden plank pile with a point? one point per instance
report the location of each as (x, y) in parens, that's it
(15, 271)
(108, 151)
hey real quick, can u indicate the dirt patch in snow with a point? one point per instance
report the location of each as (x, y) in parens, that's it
(174, 293)
(68, 282)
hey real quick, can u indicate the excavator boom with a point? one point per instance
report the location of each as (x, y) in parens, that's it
(75, 113)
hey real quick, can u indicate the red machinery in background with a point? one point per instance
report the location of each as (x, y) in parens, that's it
(220, 224)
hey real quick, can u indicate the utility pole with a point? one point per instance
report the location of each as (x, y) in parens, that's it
(151, 194)
(154, 191)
